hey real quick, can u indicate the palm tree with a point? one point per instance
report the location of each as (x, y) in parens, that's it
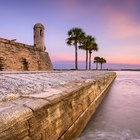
(96, 60)
(101, 61)
(85, 45)
(88, 44)
(93, 47)
(75, 38)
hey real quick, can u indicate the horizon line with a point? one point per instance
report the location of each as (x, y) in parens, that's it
(81, 61)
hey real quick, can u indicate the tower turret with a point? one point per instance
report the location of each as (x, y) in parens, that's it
(39, 37)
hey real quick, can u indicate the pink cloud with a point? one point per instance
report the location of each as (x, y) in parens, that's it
(111, 24)
(67, 56)
(121, 25)
(124, 59)
(62, 57)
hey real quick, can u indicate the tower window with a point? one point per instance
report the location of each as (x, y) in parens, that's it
(39, 65)
(40, 32)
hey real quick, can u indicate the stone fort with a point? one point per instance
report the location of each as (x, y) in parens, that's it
(15, 56)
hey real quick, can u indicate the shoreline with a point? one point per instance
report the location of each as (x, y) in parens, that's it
(98, 70)
(48, 71)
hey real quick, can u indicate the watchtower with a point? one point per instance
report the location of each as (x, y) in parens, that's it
(39, 37)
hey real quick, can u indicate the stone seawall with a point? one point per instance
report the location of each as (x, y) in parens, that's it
(19, 57)
(49, 105)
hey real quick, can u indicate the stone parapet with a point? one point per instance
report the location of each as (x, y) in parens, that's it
(53, 105)
(10, 42)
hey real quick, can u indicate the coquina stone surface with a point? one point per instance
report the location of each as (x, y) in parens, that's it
(53, 105)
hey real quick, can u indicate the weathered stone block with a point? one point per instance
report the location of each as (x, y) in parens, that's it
(12, 114)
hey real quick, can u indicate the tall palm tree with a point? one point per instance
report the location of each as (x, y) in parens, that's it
(96, 60)
(93, 47)
(87, 44)
(101, 61)
(75, 38)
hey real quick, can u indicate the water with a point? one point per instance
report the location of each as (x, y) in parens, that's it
(70, 65)
(118, 117)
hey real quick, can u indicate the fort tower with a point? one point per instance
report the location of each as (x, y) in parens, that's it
(39, 37)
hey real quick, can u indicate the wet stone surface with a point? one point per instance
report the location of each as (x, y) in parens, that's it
(17, 84)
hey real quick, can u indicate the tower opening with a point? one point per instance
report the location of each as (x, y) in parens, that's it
(1, 64)
(25, 64)
(40, 32)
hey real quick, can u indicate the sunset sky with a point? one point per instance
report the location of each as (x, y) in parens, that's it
(114, 23)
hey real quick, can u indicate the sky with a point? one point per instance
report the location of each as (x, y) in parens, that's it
(114, 23)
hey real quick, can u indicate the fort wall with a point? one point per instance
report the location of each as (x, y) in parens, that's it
(16, 56)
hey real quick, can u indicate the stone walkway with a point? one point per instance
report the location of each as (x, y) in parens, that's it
(17, 84)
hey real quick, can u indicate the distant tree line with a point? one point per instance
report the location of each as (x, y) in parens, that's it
(78, 39)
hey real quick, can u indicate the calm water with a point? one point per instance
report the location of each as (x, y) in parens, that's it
(118, 117)
(81, 65)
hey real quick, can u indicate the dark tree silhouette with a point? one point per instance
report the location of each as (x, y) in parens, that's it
(93, 47)
(88, 44)
(102, 61)
(75, 38)
(96, 60)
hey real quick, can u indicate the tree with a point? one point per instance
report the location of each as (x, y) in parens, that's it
(75, 38)
(101, 61)
(96, 60)
(86, 42)
(93, 47)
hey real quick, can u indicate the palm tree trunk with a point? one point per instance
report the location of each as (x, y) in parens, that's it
(89, 61)
(96, 65)
(86, 59)
(76, 58)
(101, 66)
